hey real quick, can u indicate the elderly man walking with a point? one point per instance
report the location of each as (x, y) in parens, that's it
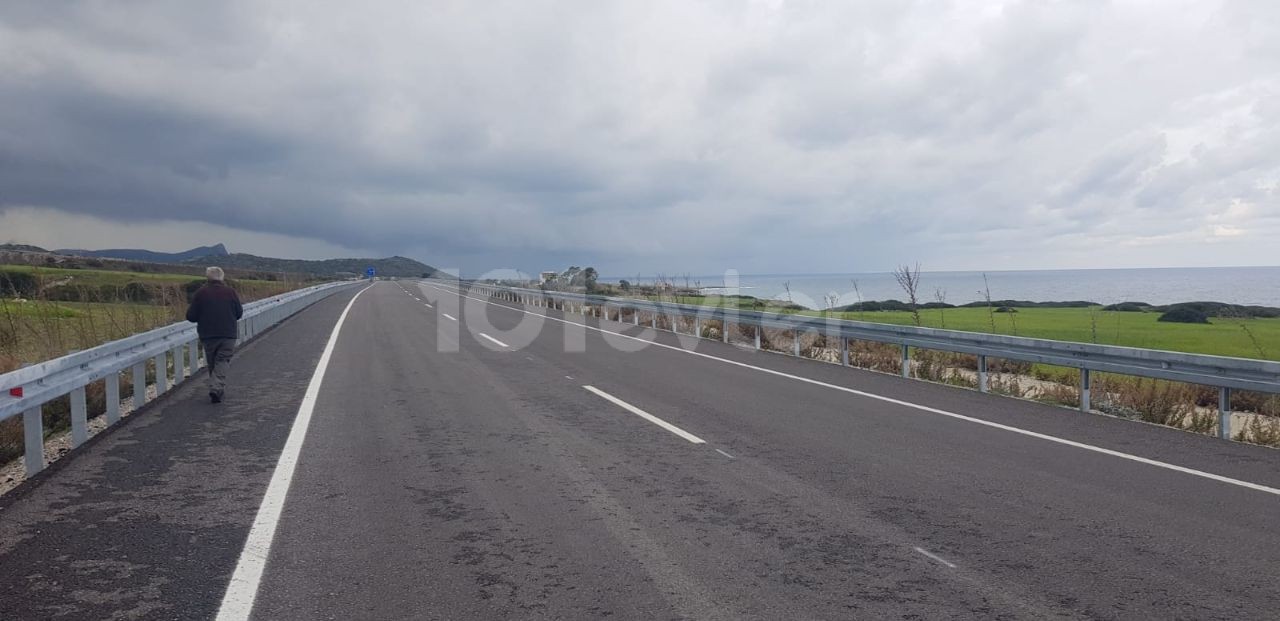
(215, 310)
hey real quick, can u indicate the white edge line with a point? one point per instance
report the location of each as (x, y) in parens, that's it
(645, 415)
(924, 408)
(237, 603)
(496, 341)
(936, 557)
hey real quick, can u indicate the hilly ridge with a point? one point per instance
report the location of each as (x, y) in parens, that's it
(131, 254)
(217, 255)
(390, 266)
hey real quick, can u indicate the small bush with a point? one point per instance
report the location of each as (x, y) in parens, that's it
(1128, 307)
(1006, 309)
(1184, 315)
(18, 284)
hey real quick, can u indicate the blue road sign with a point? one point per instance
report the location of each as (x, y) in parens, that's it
(369, 272)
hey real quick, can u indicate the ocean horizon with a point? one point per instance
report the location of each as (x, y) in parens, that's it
(1154, 285)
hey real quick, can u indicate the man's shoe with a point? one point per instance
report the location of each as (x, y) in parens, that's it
(215, 396)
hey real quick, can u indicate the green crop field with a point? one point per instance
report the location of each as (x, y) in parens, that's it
(96, 277)
(1221, 337)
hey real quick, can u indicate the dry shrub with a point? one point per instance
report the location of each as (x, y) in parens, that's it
(1154, 401)
(1008, 384)
(1060, 394)
(1260, 430)
(883, 357)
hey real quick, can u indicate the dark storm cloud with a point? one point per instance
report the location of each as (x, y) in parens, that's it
(666, 136)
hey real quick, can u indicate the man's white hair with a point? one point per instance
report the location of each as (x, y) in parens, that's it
(214, 273)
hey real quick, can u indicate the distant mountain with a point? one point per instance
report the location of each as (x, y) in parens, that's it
(391, 266)
(150, 256)
(22, 248)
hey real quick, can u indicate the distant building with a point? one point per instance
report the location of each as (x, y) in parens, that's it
(548, 276)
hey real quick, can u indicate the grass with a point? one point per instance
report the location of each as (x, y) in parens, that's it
(1221, 337)
(49, 326)
(96, 277)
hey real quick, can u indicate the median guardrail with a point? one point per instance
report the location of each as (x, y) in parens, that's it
(25, 390)
(1221, 372)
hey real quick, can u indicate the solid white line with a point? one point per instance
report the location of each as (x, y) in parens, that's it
(645, 415)
(936, 558)
(237, 603)
(924, 408)
(499, 343)
(449, 317)
(725, 454)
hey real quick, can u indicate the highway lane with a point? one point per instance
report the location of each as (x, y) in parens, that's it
(147, 520)
(1088, 532)
(457, 466)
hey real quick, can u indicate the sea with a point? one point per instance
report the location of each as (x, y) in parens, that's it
(1157, 286)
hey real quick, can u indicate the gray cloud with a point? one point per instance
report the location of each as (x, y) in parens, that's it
(667, 136)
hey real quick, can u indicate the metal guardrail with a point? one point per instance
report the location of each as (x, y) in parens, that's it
(25, 390)
(1221, 372)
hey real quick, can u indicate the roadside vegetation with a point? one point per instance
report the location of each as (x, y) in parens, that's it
(1210, 328)
(49, 312)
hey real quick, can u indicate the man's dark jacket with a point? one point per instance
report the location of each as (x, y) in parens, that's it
(215, 309)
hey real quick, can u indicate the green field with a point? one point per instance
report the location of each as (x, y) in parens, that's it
(94, 277)
(1222, 337)
(73, 309)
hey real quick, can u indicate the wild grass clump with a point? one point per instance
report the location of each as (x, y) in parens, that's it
(1151, 400)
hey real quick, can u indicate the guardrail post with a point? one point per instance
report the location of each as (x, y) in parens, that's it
(113, 397)
(654, 319)
(906, 360)
(162, 373)
(982, 374)
(757, 331)
(795, 343)
(1224, 413)
(139, 385)
(33, 440)
(1086, 387)
(79, 418)
(179, 366)
(844, 351)
(635, 316)
(697, 327)
(193, 356)
(724, 330)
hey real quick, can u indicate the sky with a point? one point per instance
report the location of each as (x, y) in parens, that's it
(649, 137)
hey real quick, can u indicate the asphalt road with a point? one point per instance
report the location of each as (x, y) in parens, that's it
(472, 460)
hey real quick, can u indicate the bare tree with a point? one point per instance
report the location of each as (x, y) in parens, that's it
(832, 299)
(908, 278)
(991, 312)
(940, 295)
(862, 310)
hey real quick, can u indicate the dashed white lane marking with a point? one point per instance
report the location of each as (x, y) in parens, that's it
(569, 377)
(645, 415)
(237, 603)
(936, 558)
(495, 341)
(427, 305)
(916, 406)
(725, 454)
(449, 317)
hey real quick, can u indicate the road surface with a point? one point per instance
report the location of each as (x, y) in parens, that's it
(468, 459)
